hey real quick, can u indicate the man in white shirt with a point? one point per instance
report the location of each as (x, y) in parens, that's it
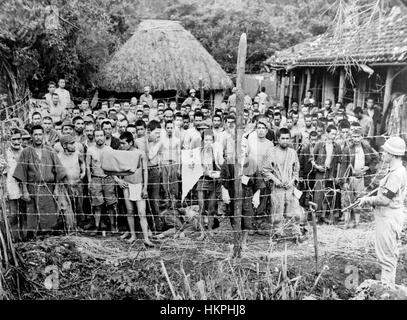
(359, 161)
(365, 122)
(192, 100)
(131, 117)
(257, 147)
(309, 100)
(64, 95)
(51, 91)
(247, 101)
(263, 99)
(146, 97)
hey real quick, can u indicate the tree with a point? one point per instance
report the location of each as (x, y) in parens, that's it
(42, 40)
(270, 26)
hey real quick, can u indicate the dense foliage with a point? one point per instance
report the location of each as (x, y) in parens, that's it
(36, 46)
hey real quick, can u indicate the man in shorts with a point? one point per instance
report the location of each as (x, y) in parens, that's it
(135, 189)
(101, 186)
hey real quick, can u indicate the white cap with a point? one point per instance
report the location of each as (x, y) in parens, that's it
(395, 146)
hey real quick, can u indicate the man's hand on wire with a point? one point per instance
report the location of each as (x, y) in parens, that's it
(361, 172)
(364, 201)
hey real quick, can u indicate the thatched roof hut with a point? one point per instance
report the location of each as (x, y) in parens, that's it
(163, 55)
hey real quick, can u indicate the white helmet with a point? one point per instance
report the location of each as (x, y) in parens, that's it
(395, 146)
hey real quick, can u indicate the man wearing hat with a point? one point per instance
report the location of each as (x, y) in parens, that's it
(388, 208)
(146, 96)
(68, 129)
(26, 138)
(192, 100)
(74, 165)
(100, 117)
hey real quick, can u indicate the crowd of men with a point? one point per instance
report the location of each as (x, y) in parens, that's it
(291, 156)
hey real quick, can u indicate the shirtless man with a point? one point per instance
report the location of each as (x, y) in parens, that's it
(140, 140)
(193, 136)
(74, 165)
(101, 187)
(171, 162)
(89, 132)
(79, 126)
(153, 148)
(135, 189)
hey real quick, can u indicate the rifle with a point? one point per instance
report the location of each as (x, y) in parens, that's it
(356, 203)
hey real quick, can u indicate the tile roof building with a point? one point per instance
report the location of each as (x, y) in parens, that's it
(376, 56)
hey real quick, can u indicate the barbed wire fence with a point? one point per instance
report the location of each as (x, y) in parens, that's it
(23, 109)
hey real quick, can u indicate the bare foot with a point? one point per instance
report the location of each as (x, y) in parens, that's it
(124, 235)
(132, 239)
(148, 243)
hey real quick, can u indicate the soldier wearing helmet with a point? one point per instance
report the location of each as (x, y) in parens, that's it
(388, 203)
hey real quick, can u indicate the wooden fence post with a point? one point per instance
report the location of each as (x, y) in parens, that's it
(241, 65)
(341, 89)
(388, 88)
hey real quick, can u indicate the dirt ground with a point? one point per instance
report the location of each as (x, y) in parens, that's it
(80, 267)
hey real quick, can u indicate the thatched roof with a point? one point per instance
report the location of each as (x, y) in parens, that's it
(385, 42)
(163, 55)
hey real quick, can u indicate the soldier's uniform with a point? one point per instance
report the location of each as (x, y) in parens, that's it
(389, 216)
